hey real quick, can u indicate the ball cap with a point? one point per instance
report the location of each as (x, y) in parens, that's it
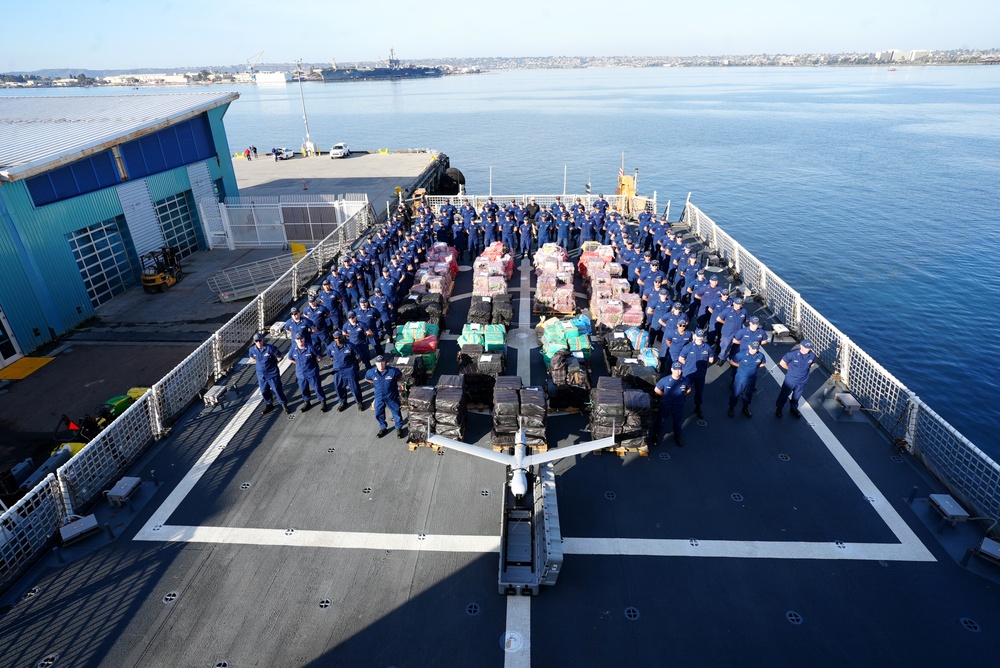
(338, 334)
(294, 310)
(300, 337)
(683, 322)
(701, 272)
(363, 300)
(677, 366)
(258, 337)
(753, 345)
(385, 270)
(806, 343)
(755, 320)
(352, 314)
(663, 292)
(326, 283)
(713, 277)
(699, 333)
(677, 305)
(738, 302)
(725, 292)
(380, 358)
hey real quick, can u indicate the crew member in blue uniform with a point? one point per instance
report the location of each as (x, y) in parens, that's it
(387, 313)
(306, 356)
(526, 230)
(297, 324)
(507, 234)
(386, 379)
(672, 390)
(266, 357)
(460, 237)
(563, 231)
(345, 357)
(733, 319)
(674, 343)
(655, 313)
(489, 230)
(319, 316)
(746, 363)
(797, 365)
(388, 285)
(704, 296)
(371, 320)
(357, 336)
(349, 281)
(696, 357)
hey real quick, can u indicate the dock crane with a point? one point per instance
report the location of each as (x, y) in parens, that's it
(251, 65)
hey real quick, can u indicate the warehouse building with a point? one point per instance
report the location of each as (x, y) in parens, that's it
(88, 184)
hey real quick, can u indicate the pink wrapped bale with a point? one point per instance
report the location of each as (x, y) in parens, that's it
(633, 317)
(564, 300)
(614, 269)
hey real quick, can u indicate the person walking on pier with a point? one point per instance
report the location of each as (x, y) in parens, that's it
(797, 365)
(672, 390)
(266, 357)
(745, 363)
(306, 356)
(386, 379)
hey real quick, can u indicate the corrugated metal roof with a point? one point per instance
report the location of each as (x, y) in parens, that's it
(43, 132)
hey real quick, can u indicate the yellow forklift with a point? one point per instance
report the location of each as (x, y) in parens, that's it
(161, 269)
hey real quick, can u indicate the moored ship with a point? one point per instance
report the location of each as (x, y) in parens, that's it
(394, 70)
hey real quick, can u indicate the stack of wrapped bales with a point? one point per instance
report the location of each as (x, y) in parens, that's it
(450, 409)
(534, 408)
(506, 411)
(421, 419)
(607, 413)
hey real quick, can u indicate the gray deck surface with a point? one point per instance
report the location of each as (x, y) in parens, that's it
(260, 605)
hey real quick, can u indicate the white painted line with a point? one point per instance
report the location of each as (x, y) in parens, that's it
(524, 314)
(746, 549)
(207, 458)
(517, 637)
(868, 489)
(404, 542)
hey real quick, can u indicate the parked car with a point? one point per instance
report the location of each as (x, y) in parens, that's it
(340, 150)
(285, 153)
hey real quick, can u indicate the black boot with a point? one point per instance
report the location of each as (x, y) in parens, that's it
(267, 408)
(732, 411)
(746, 411)
(306, 406)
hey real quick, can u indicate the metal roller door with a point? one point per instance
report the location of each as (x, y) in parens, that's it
(103, 262)
(143, 225)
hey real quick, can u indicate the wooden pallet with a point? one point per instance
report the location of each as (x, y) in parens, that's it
(621, 451)
(413, 445)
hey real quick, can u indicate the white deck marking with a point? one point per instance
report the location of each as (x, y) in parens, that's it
(909, 547)
(523, 346)
(211, 453)
(517, 637)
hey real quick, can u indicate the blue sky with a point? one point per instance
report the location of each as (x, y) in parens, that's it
(118, 34)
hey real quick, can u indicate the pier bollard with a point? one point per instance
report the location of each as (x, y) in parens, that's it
(968, 555)
(152, 477)
(913, 493)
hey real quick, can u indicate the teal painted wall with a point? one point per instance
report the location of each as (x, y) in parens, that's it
(40, 285)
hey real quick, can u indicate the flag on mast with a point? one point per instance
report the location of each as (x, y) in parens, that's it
(621, 170)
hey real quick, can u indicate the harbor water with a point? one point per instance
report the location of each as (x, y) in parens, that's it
(874, 193)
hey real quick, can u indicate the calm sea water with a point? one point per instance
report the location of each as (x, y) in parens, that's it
(876, 194)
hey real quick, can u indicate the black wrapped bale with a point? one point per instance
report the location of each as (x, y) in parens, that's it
(610, 383)
(449, 400)
(421, 424)
(454, 432)
(626, 366)
(533, 402)
(422, 400)
(412, 368)
(505, 402)
(506, 423)
(533, 422)
(472, 349)
(559, 366)
(599, 431)
(451, 381)
(480, 311)
(608, 408)
(408, 311)
(503, 310)
(502, 438)
(442, 420)
(637, 402)
(616, 343)
(493, 364)
(509, 383)
(644, 378)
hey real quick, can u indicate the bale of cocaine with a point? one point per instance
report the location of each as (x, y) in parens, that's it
(422, 408)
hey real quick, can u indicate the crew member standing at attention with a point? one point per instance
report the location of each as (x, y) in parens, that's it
(297, 324)
(563, 231)
(371, 320)
(733, 319)
(672, 390)
(386, 379)
(461, 238)
(345, 358)
(508, 232)
(526, 230)
(357, 336)
(266, 358)
(306, 356)
(746, 364)
(696, 358)
(797, 365)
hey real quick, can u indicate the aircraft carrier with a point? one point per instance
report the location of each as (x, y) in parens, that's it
(303, 540)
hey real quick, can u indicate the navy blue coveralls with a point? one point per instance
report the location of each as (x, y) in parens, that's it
(672, 403)
(745, 383)
(345, 358)
(306, 360)
(796, 377)
(696, 358)
(386, 394)
(266, 359)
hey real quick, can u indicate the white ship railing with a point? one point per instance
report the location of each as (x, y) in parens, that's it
(29, 527)
(969, 474)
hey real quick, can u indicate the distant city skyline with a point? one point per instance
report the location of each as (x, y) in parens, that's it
(113, 34)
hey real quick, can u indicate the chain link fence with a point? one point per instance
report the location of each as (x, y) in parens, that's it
(30, 526)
